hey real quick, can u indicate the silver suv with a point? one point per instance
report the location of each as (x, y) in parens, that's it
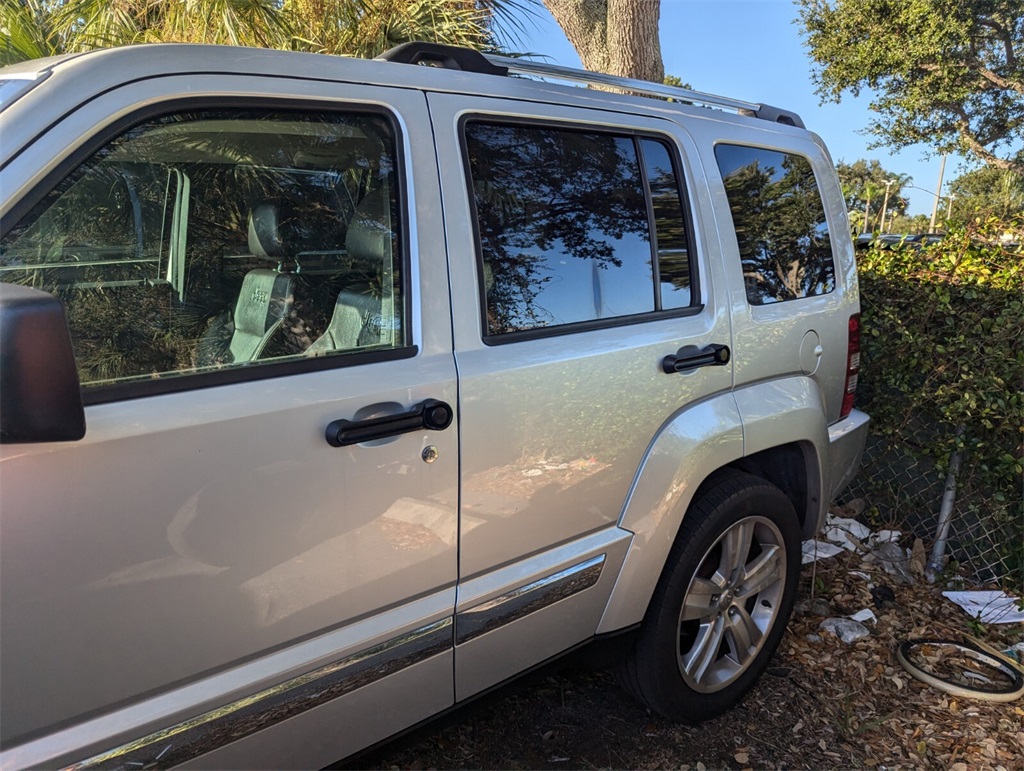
(336, 392)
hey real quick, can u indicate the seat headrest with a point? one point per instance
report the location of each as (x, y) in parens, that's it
(369, 231)
(265, 231)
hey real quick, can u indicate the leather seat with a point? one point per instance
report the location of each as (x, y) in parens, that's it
(361, 317)
(264, 300)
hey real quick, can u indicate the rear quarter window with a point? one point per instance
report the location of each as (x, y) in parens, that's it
(780, 224)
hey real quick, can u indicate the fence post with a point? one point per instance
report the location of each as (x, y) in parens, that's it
(935, 564)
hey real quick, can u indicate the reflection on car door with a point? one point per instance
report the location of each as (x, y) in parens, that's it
(556, 422)
(217, 531)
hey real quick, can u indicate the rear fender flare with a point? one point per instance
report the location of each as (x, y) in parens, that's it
(690, 446)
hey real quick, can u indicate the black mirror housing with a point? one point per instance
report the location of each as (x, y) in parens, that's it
(40, 398)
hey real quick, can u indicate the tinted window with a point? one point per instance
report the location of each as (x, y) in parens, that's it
(780, 224)
(206, 240)
(669, 226)
(563, 225)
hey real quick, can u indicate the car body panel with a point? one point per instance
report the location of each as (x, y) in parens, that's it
(191, 531)
(142, 730)
(579, 408)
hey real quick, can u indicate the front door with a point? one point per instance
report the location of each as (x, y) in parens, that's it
(237, 272)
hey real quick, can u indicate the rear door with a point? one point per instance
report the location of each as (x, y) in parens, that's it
(582, 281)
(242, 269)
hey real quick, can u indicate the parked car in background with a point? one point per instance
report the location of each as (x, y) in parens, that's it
(336, 392)
(896, 240)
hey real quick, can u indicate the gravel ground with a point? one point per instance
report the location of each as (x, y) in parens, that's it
(822, 704)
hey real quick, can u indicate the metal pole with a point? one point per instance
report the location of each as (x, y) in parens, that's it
(949, 209)
(885, 203)
(935, 209)
(936, 563)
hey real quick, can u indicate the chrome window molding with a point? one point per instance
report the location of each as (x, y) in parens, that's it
(527, 599)
(202, 734)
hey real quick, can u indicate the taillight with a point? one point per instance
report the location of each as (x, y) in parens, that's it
(852, 365)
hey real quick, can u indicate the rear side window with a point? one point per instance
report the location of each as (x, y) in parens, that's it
(220, 240)
(575, 227)
(780, 224)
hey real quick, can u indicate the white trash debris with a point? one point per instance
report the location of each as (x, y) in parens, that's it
(864, 616)
(818, 550)
(840, 529)
(989, 607)
(884, 536)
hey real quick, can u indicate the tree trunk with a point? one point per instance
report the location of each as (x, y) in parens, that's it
(619, 37)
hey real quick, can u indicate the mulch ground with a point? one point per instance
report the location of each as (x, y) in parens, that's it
(822, 704)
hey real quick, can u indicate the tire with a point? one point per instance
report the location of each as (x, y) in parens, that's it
(722, 603)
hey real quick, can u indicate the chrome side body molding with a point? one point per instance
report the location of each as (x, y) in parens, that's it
(189, 739)
(197, 736)
(527, 599)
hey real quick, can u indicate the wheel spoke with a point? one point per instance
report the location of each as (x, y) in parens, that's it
(698, 603)
(761, 573)
(705, 649)
(743, 633)
(735, 547)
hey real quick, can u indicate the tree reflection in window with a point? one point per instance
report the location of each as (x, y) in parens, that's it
(563, 225)
(669, 226)
(780, 224)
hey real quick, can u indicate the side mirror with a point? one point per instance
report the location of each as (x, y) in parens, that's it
(40, 399)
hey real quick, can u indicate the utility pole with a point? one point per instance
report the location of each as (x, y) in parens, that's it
(949, 209)
(938, 190)
(885, 203)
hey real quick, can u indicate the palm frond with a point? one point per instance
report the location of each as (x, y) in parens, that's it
(27, 32)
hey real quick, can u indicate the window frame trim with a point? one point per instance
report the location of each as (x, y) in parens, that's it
(180, 381)
(636, 135)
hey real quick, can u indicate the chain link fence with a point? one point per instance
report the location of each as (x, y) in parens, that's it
(905, 487)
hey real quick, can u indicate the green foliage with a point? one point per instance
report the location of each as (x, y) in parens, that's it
(943, 363)
(26, 31)
(367, 28)
(863, 184)
(988, 191)
(37, 28)
(946, 73)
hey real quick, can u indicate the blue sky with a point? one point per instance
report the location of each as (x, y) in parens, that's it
(753, 50)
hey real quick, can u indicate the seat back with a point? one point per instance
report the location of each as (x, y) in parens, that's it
(262, 305)
(263, 302)
(364, 316)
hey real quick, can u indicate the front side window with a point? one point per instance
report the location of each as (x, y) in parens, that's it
(780, 224)
(218, 239)
(565, 230)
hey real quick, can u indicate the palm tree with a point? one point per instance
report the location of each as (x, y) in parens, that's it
(367, 28)
(36, 28)
(27, 31)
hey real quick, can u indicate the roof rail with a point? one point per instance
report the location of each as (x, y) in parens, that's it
(468, 60)
(645, 88)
